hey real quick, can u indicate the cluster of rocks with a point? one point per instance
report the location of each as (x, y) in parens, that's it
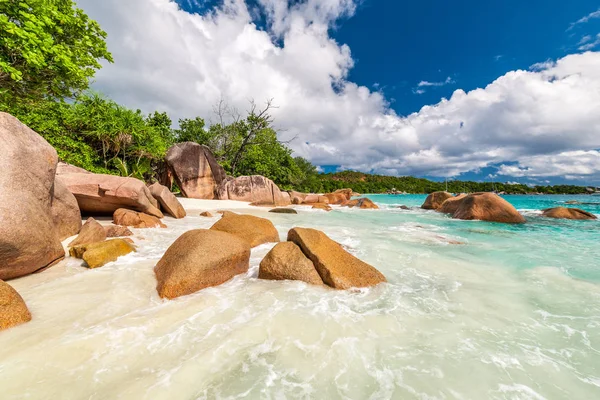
(341, 197)
(41, 205)
(198, 259)
(491, 207)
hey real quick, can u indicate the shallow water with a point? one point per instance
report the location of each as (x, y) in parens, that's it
(472, 310)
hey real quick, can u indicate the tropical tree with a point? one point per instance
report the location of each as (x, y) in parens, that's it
(48, 48)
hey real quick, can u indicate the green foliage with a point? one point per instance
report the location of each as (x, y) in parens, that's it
(367, 183)
(98, 134)
(47, 49)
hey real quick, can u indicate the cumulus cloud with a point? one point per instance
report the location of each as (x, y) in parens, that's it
(167, 59)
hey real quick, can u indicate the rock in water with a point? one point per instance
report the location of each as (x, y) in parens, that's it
(91, 232)
(435, 200)
(254, 230)
(363, 203)
(487, 207)
(567, 213)
(117, 231)
(29, 240)
(168, 201)
(104, 194)
(283, 211)
(338, 268)
(287, 262)
(254, 189)
(322, 206)
(449, 206)
(199, 259)
(65, 211)
(99, 254)
(135, 219)
(13, 310)
(195, 170)
(207, 214)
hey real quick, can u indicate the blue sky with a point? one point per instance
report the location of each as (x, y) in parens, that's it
(361, 83)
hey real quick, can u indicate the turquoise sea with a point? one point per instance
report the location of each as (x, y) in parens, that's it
(573, 247)
(471, 310)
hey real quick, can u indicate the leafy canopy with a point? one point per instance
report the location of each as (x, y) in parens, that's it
(48, 48)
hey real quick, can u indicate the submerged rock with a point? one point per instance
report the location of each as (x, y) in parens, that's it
(167, 200)
(435, 200)
(29, 238)
(195, 169)
(254, 189)
(199, 259)
(104, 194)
(487, 207)
(364, 203)
(283, 211)
(135, 219)
(338, 268)
(568, 213)
(65, 211)
(117, 231)
(287, 262)
(449, 206)
(91, 232)
(322, 206)
(254, 230)
(207, 214)
(99, 254)
(13, 310)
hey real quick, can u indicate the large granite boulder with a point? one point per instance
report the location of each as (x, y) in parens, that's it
(167, 200)
(315, 199)
(65, 211)
(63, 168)
(98, 254)
(567, 213)
(435, 200)
(125, 217)
(287, 262)
(340, 196)
(104, 194)
(29, 240)
(13, 310)
(364, 203)
(91, 232)
(199, 259)
(254, 230)
(297, 197)
(450, 205)
(338, 268)
(254, 189)
(487, 207)
(195, 170)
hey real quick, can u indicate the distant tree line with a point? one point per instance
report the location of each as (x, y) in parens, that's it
(368, 183)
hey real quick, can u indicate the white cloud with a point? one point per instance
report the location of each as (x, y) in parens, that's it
(445, 82)
(571, 163)
(170, 60)
(588, 44)
(587, 18)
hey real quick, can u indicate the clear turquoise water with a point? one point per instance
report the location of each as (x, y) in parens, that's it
(573, 247)
(471, 310)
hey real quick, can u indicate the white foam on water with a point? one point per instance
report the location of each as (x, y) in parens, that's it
(443, 327)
